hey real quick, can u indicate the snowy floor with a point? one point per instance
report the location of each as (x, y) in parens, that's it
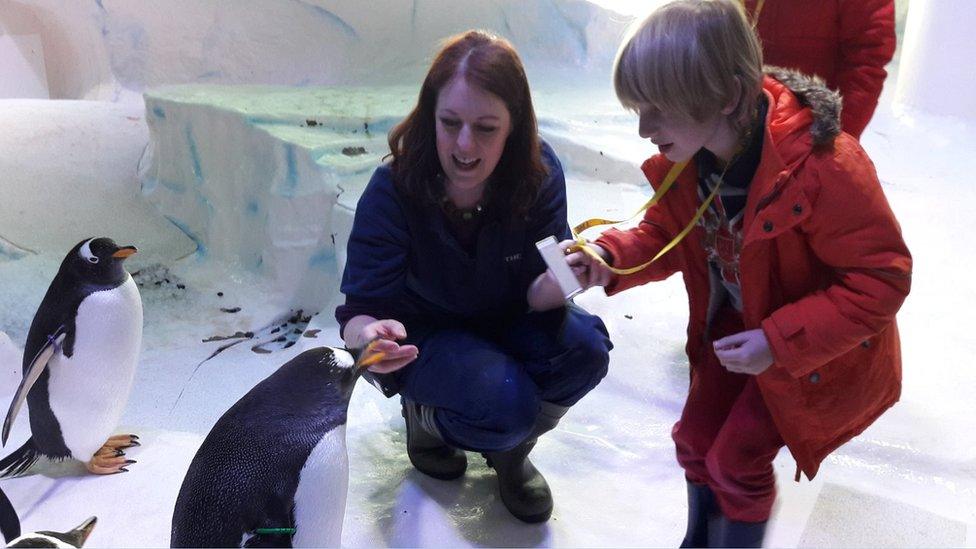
(908, 481)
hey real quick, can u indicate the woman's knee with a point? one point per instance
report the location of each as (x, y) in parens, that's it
(511, 404)
(589, 335)
(594, 354)
(588, 352)
(499, 408)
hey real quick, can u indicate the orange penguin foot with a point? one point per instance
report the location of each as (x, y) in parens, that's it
(110, 458)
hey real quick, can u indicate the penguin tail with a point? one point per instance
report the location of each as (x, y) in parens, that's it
(9, 521)
(20, 460)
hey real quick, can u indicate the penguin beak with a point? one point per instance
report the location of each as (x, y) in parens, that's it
(369, 356)
(30, 378)
(370, 360)
(124, 252)
(83, 530)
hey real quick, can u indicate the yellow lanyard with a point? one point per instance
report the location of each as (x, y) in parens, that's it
(581, 244)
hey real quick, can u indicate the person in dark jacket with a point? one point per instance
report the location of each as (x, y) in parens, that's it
(444, 278)
(845, 42)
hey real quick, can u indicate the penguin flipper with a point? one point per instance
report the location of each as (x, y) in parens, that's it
(20, 460)
(31, 374)
(9, 521)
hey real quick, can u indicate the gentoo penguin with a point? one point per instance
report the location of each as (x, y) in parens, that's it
(72, 538)
(273, 471)
(79, 362)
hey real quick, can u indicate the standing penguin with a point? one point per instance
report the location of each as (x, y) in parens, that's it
(79, 362)
(273, 471)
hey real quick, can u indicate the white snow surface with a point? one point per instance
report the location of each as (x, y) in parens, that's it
(908, 481)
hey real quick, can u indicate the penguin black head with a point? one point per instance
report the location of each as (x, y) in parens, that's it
(319, 376)
(339, 366)
(44, 538)
(97, 261)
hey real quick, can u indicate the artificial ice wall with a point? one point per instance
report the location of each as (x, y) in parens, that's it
(203, 130)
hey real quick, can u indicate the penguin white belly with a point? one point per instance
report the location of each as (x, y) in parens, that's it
(89, 391)
(320, 499)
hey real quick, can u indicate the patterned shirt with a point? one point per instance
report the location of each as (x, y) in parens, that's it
(722, 220)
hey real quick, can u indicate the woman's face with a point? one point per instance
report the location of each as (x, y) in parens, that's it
(472, 126)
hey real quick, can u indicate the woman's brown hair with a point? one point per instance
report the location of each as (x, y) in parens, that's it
(490, 63)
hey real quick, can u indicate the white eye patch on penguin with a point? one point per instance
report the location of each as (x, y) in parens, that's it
(86, 252)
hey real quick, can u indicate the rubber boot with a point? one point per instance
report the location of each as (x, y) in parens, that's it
(426, 448)
(701, 507)
(723, 532)
(523, 489)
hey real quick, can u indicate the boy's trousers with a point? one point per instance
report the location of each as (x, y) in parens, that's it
(726, 437)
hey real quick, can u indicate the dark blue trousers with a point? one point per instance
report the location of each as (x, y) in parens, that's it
(486, 383)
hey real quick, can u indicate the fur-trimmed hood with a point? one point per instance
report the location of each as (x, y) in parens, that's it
(811, 91)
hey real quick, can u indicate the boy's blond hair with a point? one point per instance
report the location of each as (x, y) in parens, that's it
(691, 58)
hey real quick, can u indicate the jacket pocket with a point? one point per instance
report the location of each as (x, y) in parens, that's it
(784, 213)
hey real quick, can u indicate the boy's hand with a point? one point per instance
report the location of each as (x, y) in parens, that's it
(745, 352)
(588, 271)
(383, 334)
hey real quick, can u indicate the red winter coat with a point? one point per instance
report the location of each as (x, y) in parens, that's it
(845, 42)
(823, 270)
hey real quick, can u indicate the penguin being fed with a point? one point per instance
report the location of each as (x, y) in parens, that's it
(79, 363)
(75, 537)
(273, 471)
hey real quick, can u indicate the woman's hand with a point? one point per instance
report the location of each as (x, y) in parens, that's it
(544, 292)
(745, 352)
(381, 336)
(588, 270)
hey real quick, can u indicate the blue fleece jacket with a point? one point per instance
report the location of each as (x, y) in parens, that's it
(404, 263)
